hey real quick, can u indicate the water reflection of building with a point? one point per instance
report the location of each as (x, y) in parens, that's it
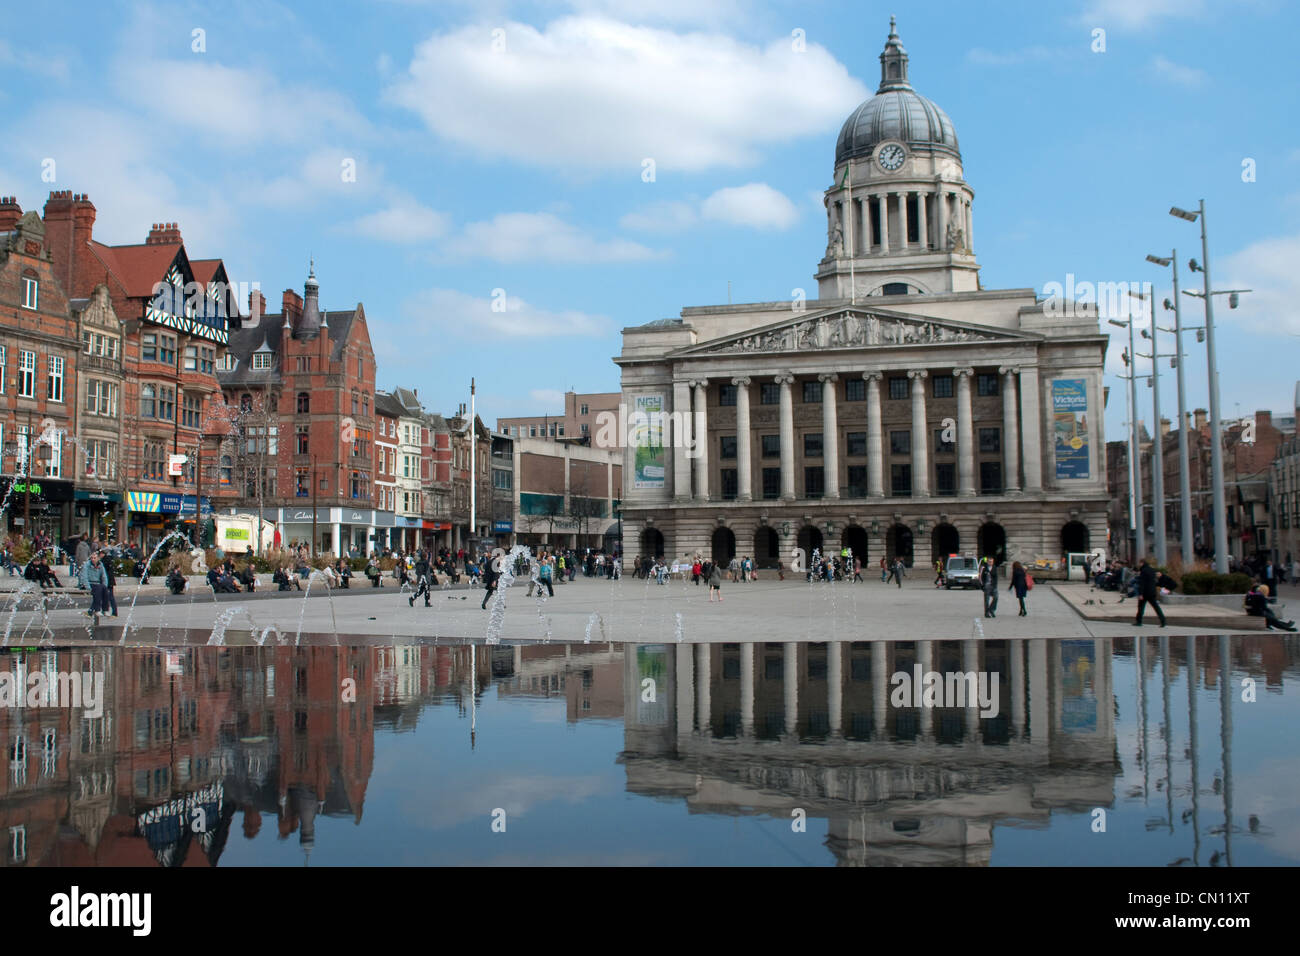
(765, 728)
(589, 676)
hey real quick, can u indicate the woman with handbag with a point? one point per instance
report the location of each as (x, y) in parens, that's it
(1020, 583)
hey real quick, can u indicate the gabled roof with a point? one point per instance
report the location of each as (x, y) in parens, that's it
(205, 269)
(388, 406)
(138, 268)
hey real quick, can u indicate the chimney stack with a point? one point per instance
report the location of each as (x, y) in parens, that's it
(1164, 427)
(1200, 414)
(291, 304)
(256, 306)
(1263, 419)
(163, 233)
(10, 213)
(69, 225)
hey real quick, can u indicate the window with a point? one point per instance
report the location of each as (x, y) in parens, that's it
(771, 483)
(812, 444)
(769, 393)
(324, 484)
(857, 487)
(730, 483)
(856, 443)
(261, 360)
(166, 403)
(100, 458)
(56, 378)
(986, 383)
(726, 396)
(101, 398)
(900, 443)
(941, 445)
(3, 370)
(855, 390)
(771, 446)
(990, 477)
(501, 479)
(945, 478)
(149, 347)
(301, 483)
(813, 481)
(300, 440)
(584, 409)
(359, 485)
(812, 392)
(167, 349)
(148, 402)
(31, 292)
(54, 468)
(153, 460)
(226, 465)
(191, 409)
(24, 447)
(304, 403)
(191, 358)
(900, 480)
(26, 374)
(942, 386)
(898, 387)
(728, 443)
(356, 404)
(303, 363)
(895, 288)
(990, 441)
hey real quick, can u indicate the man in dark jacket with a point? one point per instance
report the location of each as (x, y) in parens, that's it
(421, 575)
(490, 576)
(1148, 592)
(989, 578)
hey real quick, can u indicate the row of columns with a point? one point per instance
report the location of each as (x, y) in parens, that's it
(1018, 403)
(856, 219)
(1027, 672)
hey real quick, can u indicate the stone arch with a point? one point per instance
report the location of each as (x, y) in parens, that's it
(944, 540)
(767, 547)
(652, 543)
(898, 543)
(855, 539)
(1075, 537)
(810, 539)
(724, 545)
(992, 542)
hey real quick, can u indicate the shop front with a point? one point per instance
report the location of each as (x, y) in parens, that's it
(503, 532)
(96, 513)
(436, 534)
(153, 515)
(385, 522)
(46, 501)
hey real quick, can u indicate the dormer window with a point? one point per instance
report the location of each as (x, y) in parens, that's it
(31, 292)
(261, 360)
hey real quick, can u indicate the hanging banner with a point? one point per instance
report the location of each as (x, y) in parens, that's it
(1070, 417)
(648, 438)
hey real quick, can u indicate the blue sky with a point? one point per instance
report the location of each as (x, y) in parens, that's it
(501, 146)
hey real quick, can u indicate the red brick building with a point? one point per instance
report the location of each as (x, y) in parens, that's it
(39, 346)
(315, 370)
(176, 320)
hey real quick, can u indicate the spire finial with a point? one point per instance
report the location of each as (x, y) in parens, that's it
(893, 26)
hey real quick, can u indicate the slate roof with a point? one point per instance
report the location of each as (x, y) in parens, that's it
(249, 338)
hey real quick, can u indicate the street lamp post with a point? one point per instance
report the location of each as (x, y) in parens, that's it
(1184, 471)
(1135, 448)
(1157, 438)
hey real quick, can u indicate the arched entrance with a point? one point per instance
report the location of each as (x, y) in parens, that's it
(993, 542)
(766, 547)
(724, 546)
(944, 540)
(810, 539)
(652, 543)
(898, 544)
(1074, 537)
(855, 539)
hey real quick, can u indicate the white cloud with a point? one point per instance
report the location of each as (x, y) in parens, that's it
(984, 57)
(1188, 76)
(591, 93)
(549, 397)
(403, 221)
(450, 312)
(36, 64)
(755, 204)
(1137, 14)
(539, 237)
(1268, 267)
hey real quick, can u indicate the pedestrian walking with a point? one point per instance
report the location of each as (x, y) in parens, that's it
(989, 578)
(938, 573)
(884, 570)
(715, 583)
(422, 579)
(544, 574)
(490, 576)
(110, 584)
(97, 581)
(1148, 593)
(899, 568)
(1019, 584)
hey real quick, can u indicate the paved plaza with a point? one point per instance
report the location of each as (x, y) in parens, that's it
(598, 610)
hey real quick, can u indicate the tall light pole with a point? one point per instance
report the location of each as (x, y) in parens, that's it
(1157, 437)
(473, 463)
(1134, 446)
(1184, 469)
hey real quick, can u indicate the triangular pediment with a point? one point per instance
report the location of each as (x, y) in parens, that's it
(854, 327)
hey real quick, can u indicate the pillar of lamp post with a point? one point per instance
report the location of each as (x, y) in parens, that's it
(1135, 448)
(1157, 439)
(1184, 471)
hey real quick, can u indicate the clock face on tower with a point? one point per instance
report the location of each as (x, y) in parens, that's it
(890, 157)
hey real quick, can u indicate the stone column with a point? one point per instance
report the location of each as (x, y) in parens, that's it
(970, 662)
(1010, 431)
(336, 539)
(685, 689)
(744, 456)
(970, 228)
(1039, 732)
(941, 219)
(1016, 657)
(924, 234)
(830, 436)
(747, 689)
(700, 422)
(902, 221)
(879, 689)
(883, 199)
(925, 657)
(1030, 432)
(875, 451)
(679, 442)
(786, 380)
(790, 685)
(703, 686)
(920, 431)
(835, 686)
(965, 433)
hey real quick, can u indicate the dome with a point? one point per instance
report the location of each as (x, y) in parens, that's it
(896, 112)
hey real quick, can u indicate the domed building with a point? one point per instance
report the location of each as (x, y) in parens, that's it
(906, 411)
